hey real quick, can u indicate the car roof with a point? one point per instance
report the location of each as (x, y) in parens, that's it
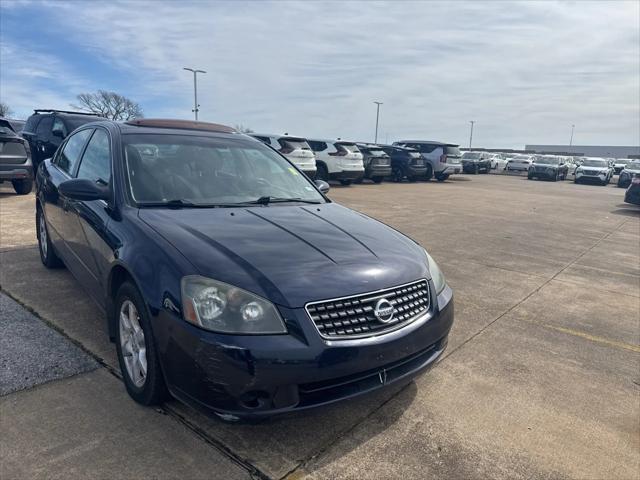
(430, 142)
(172, 126)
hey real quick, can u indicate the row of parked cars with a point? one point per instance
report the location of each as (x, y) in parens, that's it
(25, 145)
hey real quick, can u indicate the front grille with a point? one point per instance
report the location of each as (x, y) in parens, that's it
(353, 317)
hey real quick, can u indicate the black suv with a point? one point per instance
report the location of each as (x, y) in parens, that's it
(405, 163)
(377, 163)
(15, 158)
(46, 129)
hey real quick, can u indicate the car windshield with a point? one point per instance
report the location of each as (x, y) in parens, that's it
(374, 152)
(187, 170)
(622, 161)
(452, 150)
(546, 161)
(592, 162)
(471, 155)
(633, 165)
(347, 147)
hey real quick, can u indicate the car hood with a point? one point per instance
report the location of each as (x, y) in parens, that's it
(631, 170)
(599, 169)
(291, 254)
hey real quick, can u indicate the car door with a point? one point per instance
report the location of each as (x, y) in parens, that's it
(41, 141)
(56, 206)
(89, 219)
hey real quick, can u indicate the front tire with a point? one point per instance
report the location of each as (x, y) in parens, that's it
(48, 255)
(23, 186)
(442, 178)
(377, 179)
(136, 348)
(346, 183)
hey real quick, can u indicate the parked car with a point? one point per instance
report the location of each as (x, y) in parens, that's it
(498, 161)
(377, 164)
(228, 280)
(549, 167)
(632, 195)
(476, 162)
(46, 129)
(519, 163)
(405, 163)
(15, 159)
(626, 175)
(442, 159)
(337, 160)
(619, 164)
(296, 149)
(17, 125)
(594, 169)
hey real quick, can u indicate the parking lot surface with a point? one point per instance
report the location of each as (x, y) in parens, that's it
(541, 377)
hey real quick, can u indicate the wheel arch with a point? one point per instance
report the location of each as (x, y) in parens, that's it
(118, 275)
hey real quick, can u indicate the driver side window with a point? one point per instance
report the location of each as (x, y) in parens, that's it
(72, 150)
(96, 161)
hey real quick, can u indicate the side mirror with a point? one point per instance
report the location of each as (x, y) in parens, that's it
(58, 133)
(322, 186)
(83, 189)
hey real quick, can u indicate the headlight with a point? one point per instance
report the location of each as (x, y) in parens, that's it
(436, 274)
(223, 308)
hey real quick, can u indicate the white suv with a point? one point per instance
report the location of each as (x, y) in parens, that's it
(295, 149)
(337, 160)
(442, 159)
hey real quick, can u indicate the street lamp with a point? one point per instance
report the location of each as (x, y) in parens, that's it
(571, 139)
(377, 118)
(471, 135)
(195, 89)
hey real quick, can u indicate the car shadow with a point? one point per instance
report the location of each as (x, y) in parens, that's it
(627, 210)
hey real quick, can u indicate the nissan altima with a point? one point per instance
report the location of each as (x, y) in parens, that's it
(228, 278)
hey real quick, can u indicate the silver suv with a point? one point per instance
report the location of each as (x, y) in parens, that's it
(442, 159)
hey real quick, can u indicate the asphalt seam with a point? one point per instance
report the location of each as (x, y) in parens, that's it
(246, 465)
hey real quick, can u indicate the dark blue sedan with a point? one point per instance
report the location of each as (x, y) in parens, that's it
(228, 278)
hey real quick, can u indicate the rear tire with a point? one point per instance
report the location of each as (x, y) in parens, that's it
(23, 186)
(377, 179)
(48, 255)
(136, 348)
(442, 178)
(322, 173)
(429, 175)
(346, 183)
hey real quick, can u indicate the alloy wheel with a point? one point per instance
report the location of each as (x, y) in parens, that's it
(42, 227)
(132, 343)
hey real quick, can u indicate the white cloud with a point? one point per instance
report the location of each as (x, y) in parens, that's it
(524, 71)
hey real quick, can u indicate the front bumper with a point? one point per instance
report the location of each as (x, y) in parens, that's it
(377, 171)
(550, 174)
(15, 172)
(253, 376)
(602, 178)
(632, 195)
(347, 175)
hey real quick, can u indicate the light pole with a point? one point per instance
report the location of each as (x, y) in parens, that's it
(195, 89)
(471, 135)
(571, 139)
(377, 118)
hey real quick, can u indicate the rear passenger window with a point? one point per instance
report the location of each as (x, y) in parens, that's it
(96, 161)
(72, 150)
(44, 128)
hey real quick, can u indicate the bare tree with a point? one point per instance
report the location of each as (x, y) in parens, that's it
(5, 110)
(109, 105)
(242, 129)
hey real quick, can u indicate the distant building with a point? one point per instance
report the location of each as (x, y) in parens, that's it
(588, 150)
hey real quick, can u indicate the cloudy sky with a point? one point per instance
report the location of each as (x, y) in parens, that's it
(523, 71)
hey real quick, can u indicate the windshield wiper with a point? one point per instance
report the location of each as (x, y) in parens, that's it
(266, 200)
